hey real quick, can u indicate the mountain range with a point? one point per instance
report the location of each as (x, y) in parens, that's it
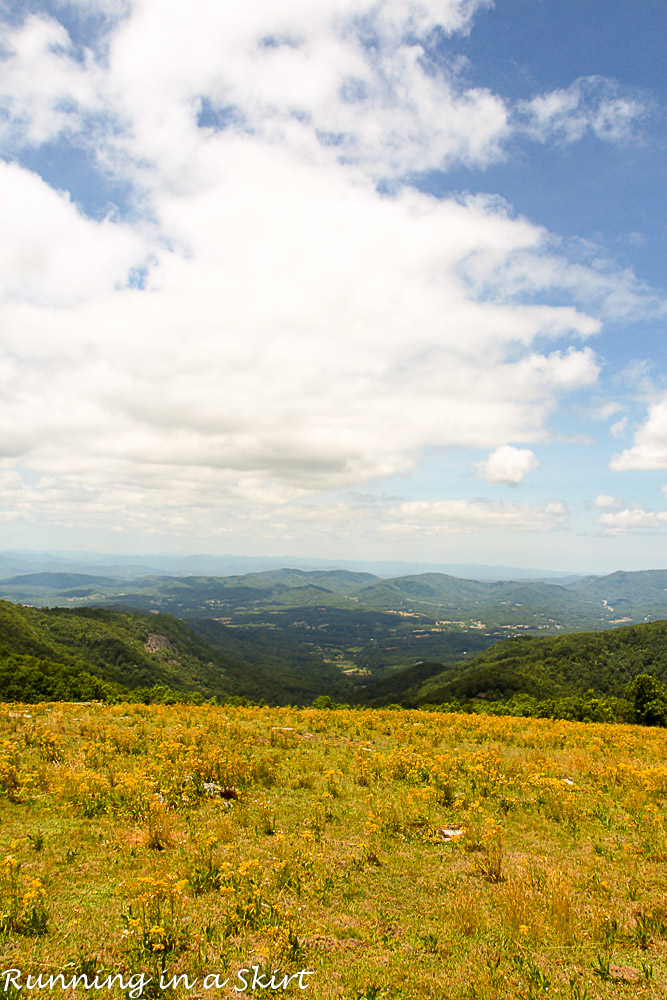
(588, 602)
(129, 567)
(290, 635)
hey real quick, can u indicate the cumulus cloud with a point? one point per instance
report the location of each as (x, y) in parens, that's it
(354, 76)
(621, 517)
(255, 345)
(605, 502)
(217, 503)
(82, 259)
(45, 90)
(649, 450)
(508, 465)
(264, 327)
(632, 519)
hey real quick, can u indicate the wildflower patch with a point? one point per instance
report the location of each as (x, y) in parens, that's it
(194, 851)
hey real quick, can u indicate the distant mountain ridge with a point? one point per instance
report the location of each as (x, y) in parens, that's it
(591, 602)
(635, 586)
(627, 591)
(127, 567)
(50, 581)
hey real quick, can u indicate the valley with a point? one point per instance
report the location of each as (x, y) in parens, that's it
(290, 635)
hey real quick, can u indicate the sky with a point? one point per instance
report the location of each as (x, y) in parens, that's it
(345, 279)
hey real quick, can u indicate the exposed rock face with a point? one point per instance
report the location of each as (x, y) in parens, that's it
(159, 643)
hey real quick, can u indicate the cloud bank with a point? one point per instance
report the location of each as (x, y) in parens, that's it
(263, 323)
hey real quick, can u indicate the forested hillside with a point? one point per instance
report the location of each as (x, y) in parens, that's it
(87, 653)
(526, 672)
(300, 654)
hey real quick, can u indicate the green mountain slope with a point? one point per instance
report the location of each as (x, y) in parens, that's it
(136, 650)
(542, 668)
(510, 603)
(290, 634)
(128, 649)
(627, 594)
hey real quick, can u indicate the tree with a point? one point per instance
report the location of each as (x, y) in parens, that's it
(649, 700)
(324, 701)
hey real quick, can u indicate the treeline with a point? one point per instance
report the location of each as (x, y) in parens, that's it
(29, 680)
(605, 662)
(644, 703)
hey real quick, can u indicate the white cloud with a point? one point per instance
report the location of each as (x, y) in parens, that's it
(352, 74)
(636, 379)
(417, 517)
(377, 98)
(209, 503)
(632, 519)
(296, 332)
(604, 501)
(52, 256)
(622, 517)
(590, 104)
(649, 450)
(301, 329)
(605, 410)
(507, 465)
(44, 90)
(578, 270)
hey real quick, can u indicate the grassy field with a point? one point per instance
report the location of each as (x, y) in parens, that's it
(392, 854)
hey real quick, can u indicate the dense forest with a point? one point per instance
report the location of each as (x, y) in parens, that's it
(587, 675)
(85, 653)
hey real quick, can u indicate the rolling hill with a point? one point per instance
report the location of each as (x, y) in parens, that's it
(542, 668)
(590, 602)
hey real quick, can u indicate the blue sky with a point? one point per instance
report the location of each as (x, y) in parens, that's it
(345, 280)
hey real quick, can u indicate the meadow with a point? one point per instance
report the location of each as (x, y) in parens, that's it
(377, 853)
